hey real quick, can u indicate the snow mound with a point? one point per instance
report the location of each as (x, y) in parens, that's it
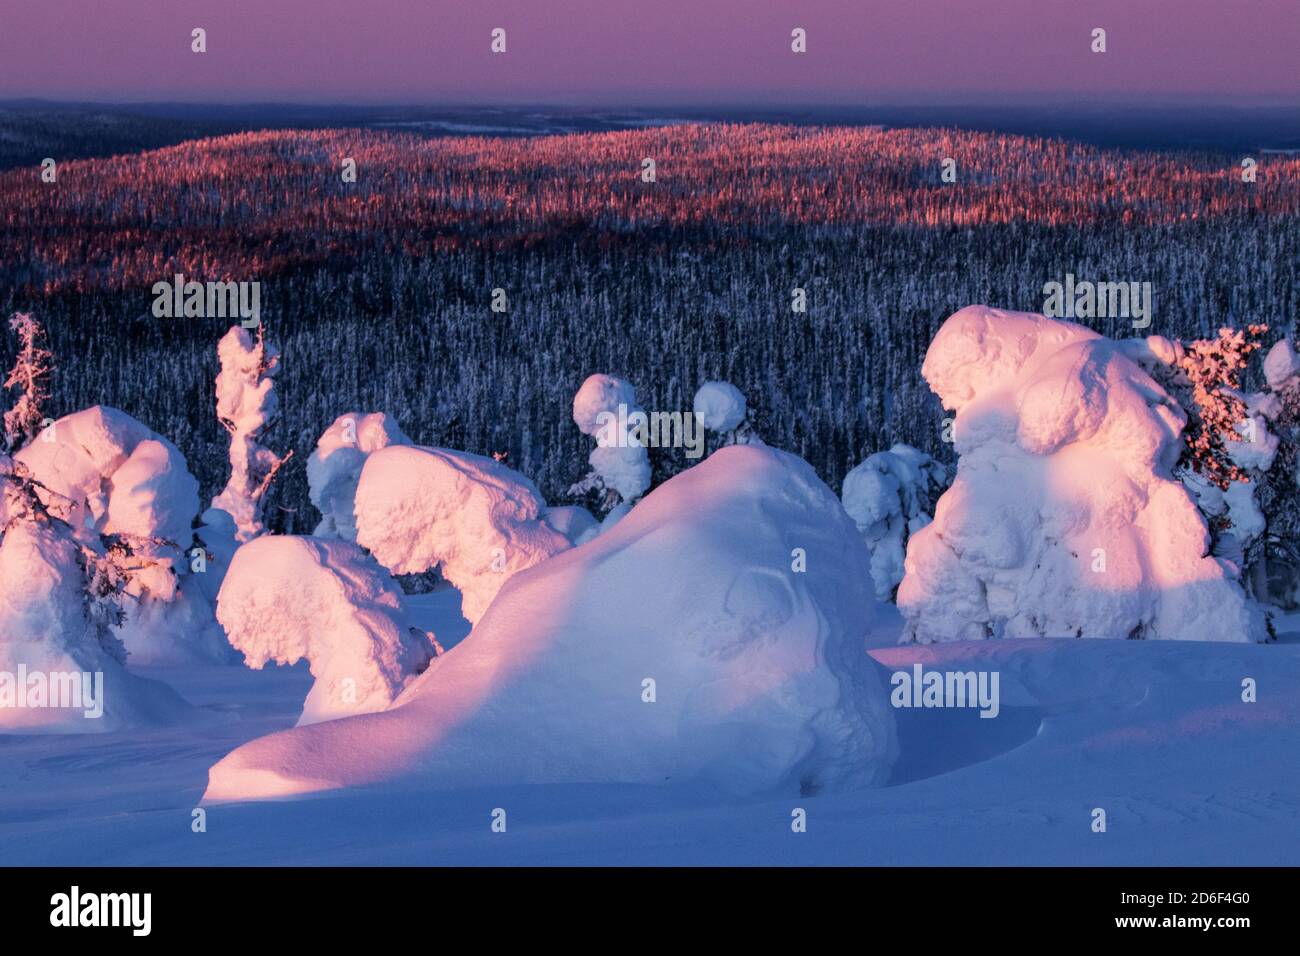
(720, 405)
(118, 476)
(890, 497)
(335, 467)
(288, 598)
(681, 645)
(573, 521)
(473, 518)
(1065, 519)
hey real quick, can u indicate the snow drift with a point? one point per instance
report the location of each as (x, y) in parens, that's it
(288, 598)
(681, 645)
(1065, 519)
(472, 518)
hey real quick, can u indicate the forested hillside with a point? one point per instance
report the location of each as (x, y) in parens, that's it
(379, 292)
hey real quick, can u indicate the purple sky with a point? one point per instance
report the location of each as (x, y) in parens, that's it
(650, 51)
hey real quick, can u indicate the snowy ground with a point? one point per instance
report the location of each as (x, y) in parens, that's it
(1154, 732)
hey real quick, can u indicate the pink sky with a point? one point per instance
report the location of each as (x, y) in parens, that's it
(617, 51)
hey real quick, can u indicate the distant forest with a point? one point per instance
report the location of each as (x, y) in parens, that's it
(378, 292)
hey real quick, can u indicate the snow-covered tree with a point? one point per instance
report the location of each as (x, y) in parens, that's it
(620, 466)
(1205, 378)
(128, 492)
(1240, 450)
(30, 377)
(1066, 517)
(1257, 522)
(287, 598)
(471, 518)
(61, 591)
(335, 467)
(723, 410)
(62, 594)
(247, 408)
(891, 496)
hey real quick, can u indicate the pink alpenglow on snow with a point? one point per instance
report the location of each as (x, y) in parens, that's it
(1065, 519)
(334, 468)
(116, 474)
(287, 598)
(471, 517)
(107, 473)
(246, 406)
(682, 646)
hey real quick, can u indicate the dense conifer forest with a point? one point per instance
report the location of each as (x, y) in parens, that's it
(379, 292)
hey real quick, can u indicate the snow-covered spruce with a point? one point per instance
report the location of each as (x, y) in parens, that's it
(335, 467)
(891, 497)
(110, 477)
(116, 475)
(679, 647)
(247, 407)
(1276, 573)
(287, 598)
(1065, 519)
(29, 377)
(722, 409)
(620, 464)
(57, 649)
(1229, 445)
(472, 518)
